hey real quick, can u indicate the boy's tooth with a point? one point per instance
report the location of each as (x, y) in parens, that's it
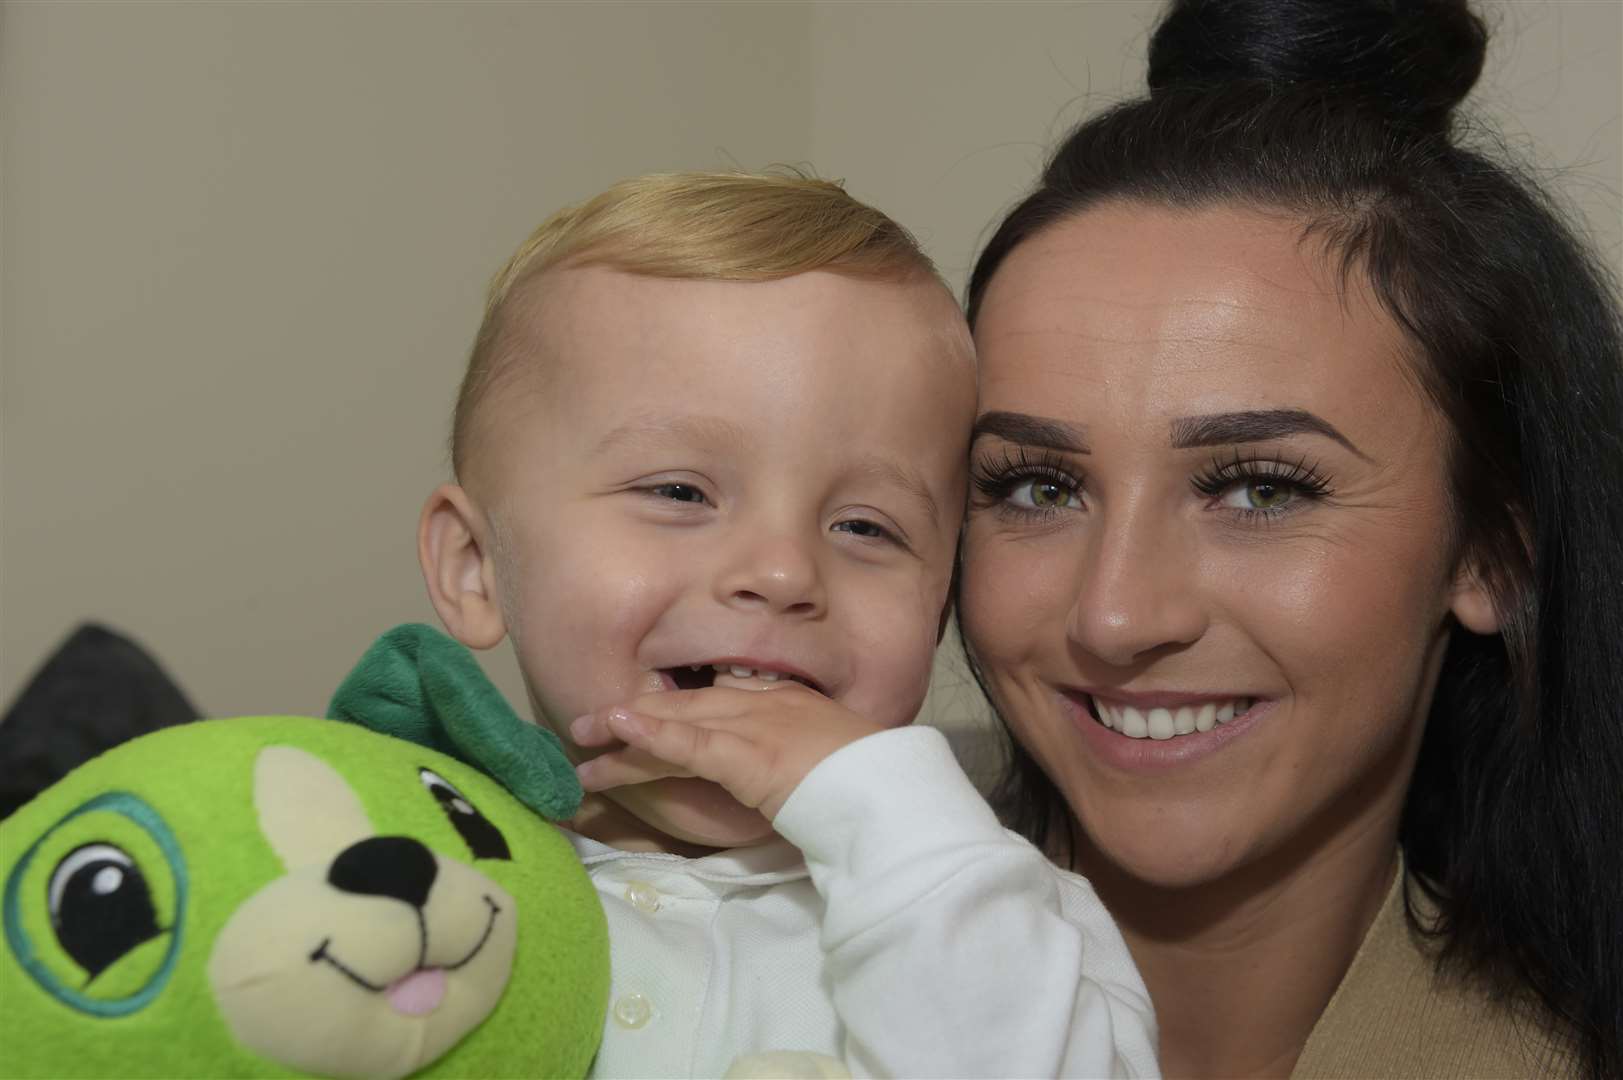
(742, 672)
(1226, 713)
(1160, 723)
(1206, 719)
(768, 676)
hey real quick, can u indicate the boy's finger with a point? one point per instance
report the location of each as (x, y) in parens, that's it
(599, 728)
(622, 767)
(713, 753)
(591, 730)
(596, 729)
(715, 702)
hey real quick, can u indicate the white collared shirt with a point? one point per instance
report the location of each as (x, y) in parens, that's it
(915, 937)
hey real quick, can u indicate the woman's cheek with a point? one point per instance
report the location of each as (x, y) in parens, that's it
(1313, 604)
(1001, 608)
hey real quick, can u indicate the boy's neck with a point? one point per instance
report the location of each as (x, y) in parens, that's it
(604, 820)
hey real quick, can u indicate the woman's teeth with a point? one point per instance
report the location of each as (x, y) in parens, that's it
(1164, 723)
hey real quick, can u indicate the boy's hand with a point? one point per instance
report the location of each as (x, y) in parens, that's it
(758, 744)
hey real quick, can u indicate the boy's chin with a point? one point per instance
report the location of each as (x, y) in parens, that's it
(695, 812)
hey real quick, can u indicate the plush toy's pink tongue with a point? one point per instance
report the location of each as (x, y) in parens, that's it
(419, 993)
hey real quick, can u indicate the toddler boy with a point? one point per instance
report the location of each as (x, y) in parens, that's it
(710, 458)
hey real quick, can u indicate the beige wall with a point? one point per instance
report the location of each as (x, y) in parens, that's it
(242, 248)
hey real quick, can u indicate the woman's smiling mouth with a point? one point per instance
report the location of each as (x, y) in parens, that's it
(1169, 720)
(1154, 731)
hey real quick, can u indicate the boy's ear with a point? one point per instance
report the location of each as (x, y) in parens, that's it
(453, 546)
(1472, 601)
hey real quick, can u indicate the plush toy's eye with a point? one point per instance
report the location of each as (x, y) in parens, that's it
(101, 907)
(482, 838)
(95, 909)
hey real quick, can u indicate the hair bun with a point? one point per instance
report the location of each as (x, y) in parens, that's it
(1413, 59)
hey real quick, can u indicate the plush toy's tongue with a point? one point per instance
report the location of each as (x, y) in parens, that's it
(417, 684)
(419, 993)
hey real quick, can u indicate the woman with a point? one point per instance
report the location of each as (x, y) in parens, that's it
(1295, 564)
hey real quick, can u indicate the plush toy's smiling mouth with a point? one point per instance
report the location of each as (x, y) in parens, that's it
(420, 991)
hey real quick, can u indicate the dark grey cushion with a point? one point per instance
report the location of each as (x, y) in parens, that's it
(97, 690)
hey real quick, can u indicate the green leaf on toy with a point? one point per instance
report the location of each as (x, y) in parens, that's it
(417, 684)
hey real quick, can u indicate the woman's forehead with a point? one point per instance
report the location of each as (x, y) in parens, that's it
(1134, 268)
(1144, 311)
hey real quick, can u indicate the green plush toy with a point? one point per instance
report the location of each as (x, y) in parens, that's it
(280, 896)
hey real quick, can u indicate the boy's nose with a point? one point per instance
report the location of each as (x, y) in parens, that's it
(777, 575)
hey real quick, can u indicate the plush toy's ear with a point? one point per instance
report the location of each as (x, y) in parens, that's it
(416, 683)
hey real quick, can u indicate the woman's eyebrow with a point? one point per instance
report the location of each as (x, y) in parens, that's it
(1221, 429)
(1028, 430)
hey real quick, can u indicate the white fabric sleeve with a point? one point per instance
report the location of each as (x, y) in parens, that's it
(954, 947)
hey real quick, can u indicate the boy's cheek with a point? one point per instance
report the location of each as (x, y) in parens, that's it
(549, 712)
(893, 672)
(893, 640)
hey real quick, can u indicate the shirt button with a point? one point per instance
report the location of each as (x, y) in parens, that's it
(643, 896)
(633, 1011)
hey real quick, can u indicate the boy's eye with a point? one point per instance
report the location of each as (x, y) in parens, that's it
(678, 492)
(862, 528)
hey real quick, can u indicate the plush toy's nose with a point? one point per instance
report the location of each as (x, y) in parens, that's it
(393, 866)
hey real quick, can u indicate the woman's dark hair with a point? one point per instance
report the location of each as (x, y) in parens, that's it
(1342, 112)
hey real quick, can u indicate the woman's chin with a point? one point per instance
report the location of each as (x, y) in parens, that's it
(1162, 853)
(695, 812)
(1159, 870)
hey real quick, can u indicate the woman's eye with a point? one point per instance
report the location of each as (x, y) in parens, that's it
(1262, 491)
(686, 493)
(1042, 493)
(1259, 495)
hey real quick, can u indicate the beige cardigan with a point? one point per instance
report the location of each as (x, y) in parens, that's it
(1393, 1017)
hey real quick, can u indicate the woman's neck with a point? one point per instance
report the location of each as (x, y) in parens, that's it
(1241, 969)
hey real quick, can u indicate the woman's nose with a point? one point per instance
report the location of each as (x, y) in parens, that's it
(775, 572)
(1137, 591)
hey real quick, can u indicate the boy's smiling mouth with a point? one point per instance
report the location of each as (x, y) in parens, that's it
(740, 675)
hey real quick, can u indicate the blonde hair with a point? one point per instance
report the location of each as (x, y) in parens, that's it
(711, 226)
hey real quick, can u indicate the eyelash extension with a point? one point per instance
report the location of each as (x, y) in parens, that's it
(1301, 477)
(996, 476)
